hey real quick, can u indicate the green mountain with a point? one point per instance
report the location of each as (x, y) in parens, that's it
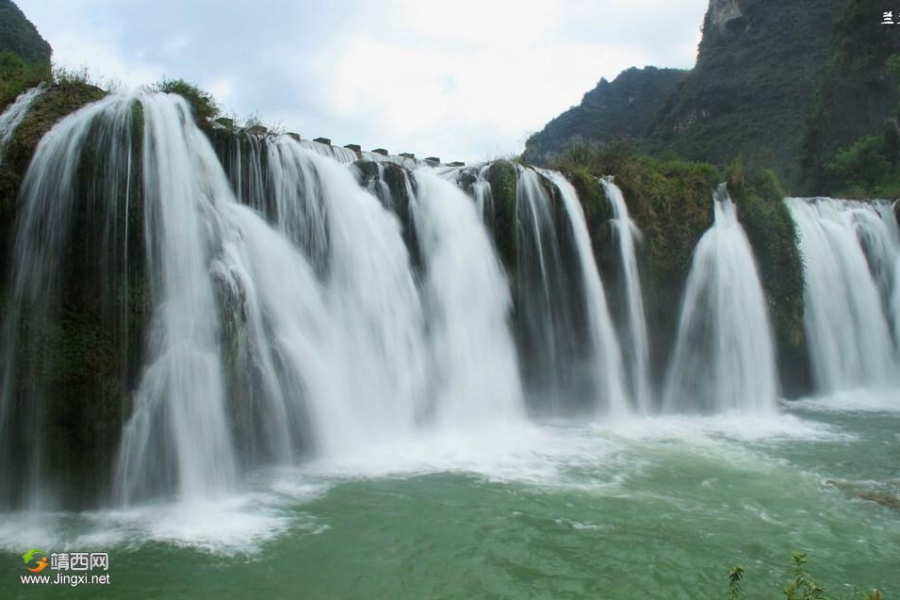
(19, 36)
(617, 109)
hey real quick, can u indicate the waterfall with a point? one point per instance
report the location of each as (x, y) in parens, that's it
(377, 341)
(180, 422)
(724, 358)
(474, 360)
(851, 253)
(628, 235)
(550, 302)
(568, 349)
(190, 308)
(262, 341)
(15, 113)
(246, 171)
(607, 367)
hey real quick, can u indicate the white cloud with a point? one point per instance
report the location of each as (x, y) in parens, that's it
(462, 80)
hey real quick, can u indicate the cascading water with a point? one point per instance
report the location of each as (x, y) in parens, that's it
(245, 169)
(262, 341)
(303, 323)
(345, 156)
(851, 255)
(378, 335)
(179, 423)
(569, 353)
(637, 343)
(724, 358)
(14, 114)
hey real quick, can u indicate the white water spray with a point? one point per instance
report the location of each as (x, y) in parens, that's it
(15, 113)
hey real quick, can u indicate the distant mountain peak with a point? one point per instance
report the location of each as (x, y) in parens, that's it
(620, 108)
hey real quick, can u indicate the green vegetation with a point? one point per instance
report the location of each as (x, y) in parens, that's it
(207, 110)
(255, 125)
(202, 103)
(94, 351)
(808, 88)
(868, 169)
(756, 74)
(856, 103)
(18, 75)
(802, 586)
(734, 582)
(870, 165)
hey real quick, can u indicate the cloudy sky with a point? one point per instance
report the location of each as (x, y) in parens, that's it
(461, 79)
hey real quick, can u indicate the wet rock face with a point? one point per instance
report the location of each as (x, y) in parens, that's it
(726, 17)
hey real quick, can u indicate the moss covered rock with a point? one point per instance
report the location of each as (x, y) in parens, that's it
(502, 177)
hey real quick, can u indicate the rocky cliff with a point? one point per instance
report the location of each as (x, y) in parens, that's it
(757, 71)
(759, 66)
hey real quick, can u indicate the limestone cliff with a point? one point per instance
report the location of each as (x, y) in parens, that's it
(758, 68)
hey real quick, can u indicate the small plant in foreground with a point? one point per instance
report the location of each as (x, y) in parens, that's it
(734, 582)
(803, 586)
